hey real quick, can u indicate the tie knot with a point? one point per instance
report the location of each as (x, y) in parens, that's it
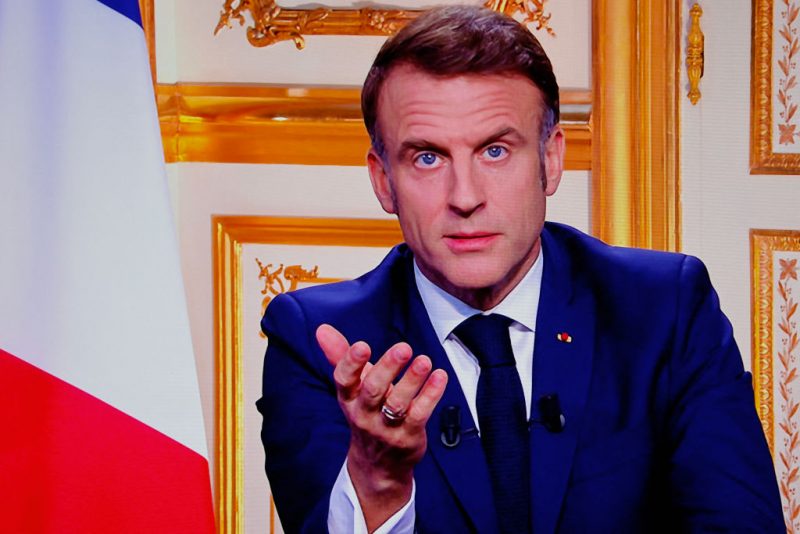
(486, 336)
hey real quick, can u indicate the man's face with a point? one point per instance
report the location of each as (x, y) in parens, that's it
(462, 172)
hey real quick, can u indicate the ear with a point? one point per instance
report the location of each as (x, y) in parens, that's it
(381, 183)
(554, 160)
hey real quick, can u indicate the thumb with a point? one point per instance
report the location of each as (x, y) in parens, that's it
(332, 343)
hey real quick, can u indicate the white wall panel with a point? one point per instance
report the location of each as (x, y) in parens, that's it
(166, 37)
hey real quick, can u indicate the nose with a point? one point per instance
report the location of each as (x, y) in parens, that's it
(466, 189)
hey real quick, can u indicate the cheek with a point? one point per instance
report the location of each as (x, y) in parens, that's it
(419, 207)
(521, 198)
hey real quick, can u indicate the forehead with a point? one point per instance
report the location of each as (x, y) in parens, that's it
(413, 100)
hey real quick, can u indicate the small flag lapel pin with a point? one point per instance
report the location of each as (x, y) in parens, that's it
(564, 337)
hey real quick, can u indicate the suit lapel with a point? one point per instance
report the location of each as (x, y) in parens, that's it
(464, 466)
(562, 368)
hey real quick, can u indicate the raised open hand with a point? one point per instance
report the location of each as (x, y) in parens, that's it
(387, 421)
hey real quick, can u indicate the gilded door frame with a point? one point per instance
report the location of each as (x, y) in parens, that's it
(636, 123)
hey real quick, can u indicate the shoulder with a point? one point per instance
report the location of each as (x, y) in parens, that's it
(588, 257)
(628, 281)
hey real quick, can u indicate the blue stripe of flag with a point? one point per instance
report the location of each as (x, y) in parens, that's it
(129, 8)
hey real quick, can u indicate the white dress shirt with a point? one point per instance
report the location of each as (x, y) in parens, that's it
(446, 312)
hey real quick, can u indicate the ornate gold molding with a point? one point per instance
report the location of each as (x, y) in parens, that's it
(292, 274)
(236, 123)
(763, 160)
(695, 54)
(272, 23)
(230, 233)
(635, 119)
(763, 245)
(774, 290)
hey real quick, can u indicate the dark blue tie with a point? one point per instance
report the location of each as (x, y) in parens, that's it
(502, 418)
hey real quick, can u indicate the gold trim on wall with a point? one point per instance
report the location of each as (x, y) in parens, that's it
(272, 23)
(763, 243)
(636, 127)
(774, 365)
(695, 54)
(762, 158)
(761, 309)
(230, 233)
(239, 123)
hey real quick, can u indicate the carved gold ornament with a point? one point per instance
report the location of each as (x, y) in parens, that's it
(274, 286)
(695, 55)
(271, 23)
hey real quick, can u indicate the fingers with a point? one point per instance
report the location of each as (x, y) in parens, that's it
(383, 443)
(351, 361)
(377, 382)
(423, 404)
(399, 399)
(332, 343)
(370, 386)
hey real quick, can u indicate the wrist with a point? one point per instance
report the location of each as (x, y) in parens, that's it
(373, 481)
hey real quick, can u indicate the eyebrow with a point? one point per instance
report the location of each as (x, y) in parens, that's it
(505, 132)
(419, 144)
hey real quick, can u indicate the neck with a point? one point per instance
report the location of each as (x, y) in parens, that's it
(486, 298)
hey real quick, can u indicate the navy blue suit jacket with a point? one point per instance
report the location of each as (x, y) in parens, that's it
(661, 431)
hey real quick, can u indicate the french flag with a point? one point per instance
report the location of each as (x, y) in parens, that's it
(101, 428)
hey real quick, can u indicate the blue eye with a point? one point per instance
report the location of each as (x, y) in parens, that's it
(427, 159)
(495, 152)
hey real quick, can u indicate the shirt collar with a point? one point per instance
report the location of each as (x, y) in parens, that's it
(446, 311)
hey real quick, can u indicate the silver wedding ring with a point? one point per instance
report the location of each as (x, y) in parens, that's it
(392, 417)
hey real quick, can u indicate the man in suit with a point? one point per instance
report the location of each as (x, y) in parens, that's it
(560, 384)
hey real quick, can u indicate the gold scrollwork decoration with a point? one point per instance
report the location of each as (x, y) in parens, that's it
(695, 54)
(271, 23)
(532, 12)
(764, 244)
(273, 284)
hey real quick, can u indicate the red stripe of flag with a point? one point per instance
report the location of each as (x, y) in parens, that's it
(71, 463)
